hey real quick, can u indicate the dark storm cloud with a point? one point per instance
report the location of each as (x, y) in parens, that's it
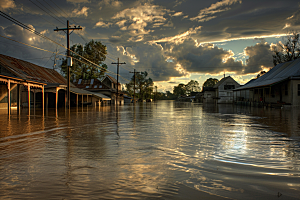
(141, 28)
(259, 55)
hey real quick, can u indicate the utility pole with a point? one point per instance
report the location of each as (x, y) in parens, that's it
(67, 31)
(118, 64)
(134, 72)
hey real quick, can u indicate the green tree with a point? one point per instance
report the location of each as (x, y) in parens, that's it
(210, 82)
(192, 86)
(287, 50)
(93, 51)
(143, 84)
(179, 90)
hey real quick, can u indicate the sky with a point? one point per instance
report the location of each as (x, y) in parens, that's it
(175, 41)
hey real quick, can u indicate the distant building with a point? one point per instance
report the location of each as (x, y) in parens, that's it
(224, 90)
(105, 85)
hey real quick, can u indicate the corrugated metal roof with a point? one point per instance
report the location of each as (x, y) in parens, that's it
(278, 73)
(29, 71)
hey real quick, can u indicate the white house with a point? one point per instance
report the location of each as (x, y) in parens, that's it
(224, 90)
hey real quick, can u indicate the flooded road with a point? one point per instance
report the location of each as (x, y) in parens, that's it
(160, 150)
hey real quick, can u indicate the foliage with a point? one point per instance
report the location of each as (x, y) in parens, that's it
(192, 86)
(179, 90)
(261, 73)
(93, 51)
(210, 82)
(287, 50)
(143, 84)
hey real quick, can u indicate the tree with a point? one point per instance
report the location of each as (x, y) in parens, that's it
(287, 50)
(261, 73)
(144, 84)
(192, 86)
(179, 90)
(210, 82)
(93, 51)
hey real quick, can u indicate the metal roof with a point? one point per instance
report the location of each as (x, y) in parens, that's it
(277, 74)
(29, 71)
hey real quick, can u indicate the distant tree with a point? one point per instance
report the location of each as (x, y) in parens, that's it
(287, 50)
(179, 90)
(210, 82)
(192, 86)
(93, 51)
(143, 84)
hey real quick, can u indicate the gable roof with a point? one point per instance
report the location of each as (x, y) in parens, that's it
(277, 74)
(223, 80)
(29, 71)
(112, 79)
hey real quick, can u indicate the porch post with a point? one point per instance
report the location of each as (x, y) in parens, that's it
(56, 98)
(8, 96)
(66, 100)
(82, 100)
(87, 100)
(43, 100)
(28, 95)
(34, 101)
(77, 100)
(18, 99)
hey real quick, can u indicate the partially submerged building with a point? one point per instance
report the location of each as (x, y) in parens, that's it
(279, 86)
(24, 84)
(106, 86)
(224, 90)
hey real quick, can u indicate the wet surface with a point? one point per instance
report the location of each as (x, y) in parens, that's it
(161, 150)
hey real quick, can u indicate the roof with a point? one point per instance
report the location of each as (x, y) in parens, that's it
(29, 71)
(90, 84)
(280, 72)
(112, 79)
(223, 80)
(85, 92)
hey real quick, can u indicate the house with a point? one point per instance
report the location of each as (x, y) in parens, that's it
(105, 85)
(281, 86)
(209, 94)
(24, 84)
(224, 90)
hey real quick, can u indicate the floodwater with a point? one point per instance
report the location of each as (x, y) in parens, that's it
(158, 150)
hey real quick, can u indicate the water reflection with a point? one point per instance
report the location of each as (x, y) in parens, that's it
(164, 150)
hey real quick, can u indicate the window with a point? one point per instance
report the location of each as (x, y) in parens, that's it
(229, 87)
(298, 89)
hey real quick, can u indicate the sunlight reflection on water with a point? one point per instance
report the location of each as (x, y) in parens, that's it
(162, 150)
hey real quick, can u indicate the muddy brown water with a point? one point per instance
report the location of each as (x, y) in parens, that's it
(158, 150)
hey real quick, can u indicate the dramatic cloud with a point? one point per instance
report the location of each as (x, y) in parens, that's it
(138, 18)
(110, 3)
(207, 14)
(83, 11)
(5, 4)
(103, 24)
(260, 57)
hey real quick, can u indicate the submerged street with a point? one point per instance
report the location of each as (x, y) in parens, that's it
(164, 150)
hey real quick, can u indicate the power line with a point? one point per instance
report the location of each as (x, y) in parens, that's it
(45, 11)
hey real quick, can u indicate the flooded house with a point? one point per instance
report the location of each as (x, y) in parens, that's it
(26, 85)
(106, 85)
(224, 90)
(278, 87)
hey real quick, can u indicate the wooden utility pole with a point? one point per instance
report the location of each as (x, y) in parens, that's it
(67, 31)
(118, 64)
(134, 72)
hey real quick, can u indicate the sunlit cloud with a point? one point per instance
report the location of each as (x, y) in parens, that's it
(5, 4)
(179, 38)
(177, 14)
(206, 14)
(83, 11)
(103, 24)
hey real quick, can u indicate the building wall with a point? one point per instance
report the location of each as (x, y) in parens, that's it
(209, 96)
(295, 87)
(224, 94)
